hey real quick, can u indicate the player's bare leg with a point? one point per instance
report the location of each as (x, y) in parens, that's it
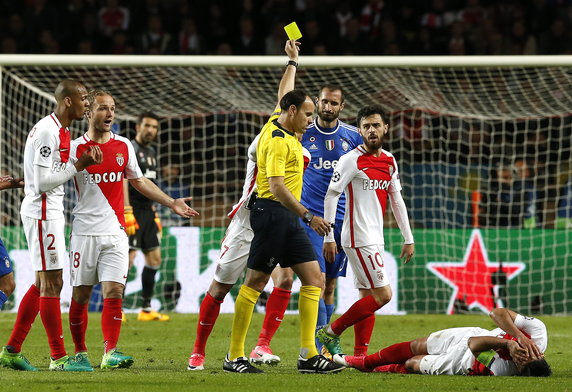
(276, 306)
(152, 264)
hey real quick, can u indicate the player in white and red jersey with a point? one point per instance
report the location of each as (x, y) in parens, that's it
(234, 252)
(46, 169)
(99, 248)
(368, 175)
(515, 348)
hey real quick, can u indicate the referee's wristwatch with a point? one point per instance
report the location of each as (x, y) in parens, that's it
(307, 217)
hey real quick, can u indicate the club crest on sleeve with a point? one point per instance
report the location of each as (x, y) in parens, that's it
(120, 159)
(277, 133)
(45, 151)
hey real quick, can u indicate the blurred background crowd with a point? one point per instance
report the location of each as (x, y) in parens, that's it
(255, 27)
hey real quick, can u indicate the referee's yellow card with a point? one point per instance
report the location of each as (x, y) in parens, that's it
(293, 31)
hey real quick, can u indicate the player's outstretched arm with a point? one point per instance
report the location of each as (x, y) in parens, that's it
(504, 319)
(151, 191)
(288, 80)
(7, 182)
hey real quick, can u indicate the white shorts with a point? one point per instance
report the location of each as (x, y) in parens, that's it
(95, 259)
(46, 243)
(233, 253)
(449, 353)
(368, 267)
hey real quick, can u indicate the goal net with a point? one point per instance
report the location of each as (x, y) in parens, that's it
(483, 151)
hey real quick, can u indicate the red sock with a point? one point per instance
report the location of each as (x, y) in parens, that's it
(360, 310)
(51, 315)
(78, 325)
(27, 312)
(111, 322)
(398, 353)
(392, 368)
(363, 331)
(208, 313)
(275, 309)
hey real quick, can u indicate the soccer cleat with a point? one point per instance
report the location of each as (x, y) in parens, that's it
(82, 359)
(318, 364)
(239, 365)
(332, 343)
(152, 315)
(324, 351)
(263, 355)
(68, 364)
(16, 361)
(196, 362)
(114, 359)
(356, 362)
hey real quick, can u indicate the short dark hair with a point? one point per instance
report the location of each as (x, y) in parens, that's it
(147, 115)
(295, 97)
(538, 368)
(367, 111)
(332, 87)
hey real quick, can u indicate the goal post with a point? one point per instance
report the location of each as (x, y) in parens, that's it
(483, 145)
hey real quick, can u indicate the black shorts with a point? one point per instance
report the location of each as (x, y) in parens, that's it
(278, 238)
(147, 236)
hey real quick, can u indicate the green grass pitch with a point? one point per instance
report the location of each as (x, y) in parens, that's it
(161, 351)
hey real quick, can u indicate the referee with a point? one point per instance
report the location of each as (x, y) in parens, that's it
(279, 237)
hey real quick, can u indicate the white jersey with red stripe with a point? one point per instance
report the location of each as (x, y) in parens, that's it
(239, 211)
(48, 145)
(99, 209)
(366, 180)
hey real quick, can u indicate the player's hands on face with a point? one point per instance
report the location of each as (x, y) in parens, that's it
(532, 350)
(407, 251)
(292, 48)
(518, 354)
(330, 251)
(181, 208)
(320, 225)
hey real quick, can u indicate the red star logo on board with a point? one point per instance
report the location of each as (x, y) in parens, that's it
(471, 279)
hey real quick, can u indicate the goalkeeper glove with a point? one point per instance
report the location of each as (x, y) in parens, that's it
(131, 225)
(158, 223)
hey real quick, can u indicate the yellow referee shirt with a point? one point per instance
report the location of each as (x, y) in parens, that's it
(279, 154)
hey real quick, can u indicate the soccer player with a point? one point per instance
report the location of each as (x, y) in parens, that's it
(234, 254)
(7, 283)
(515, 348)
(46, 169)
(368, 175)
(328, 139)
(99, 248)
(143, 224)
(278, 236)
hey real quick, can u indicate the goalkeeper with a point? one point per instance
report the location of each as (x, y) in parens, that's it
(142, 222)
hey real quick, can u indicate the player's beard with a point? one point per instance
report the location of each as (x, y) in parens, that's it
(328, 117)
(372, 145)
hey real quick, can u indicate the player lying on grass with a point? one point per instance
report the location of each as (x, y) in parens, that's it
(515, 348)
